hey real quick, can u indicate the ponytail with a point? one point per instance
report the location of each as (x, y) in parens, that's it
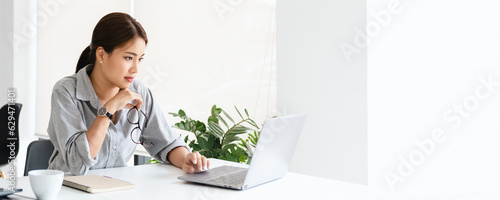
(84, 59)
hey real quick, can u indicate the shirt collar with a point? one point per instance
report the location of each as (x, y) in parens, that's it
(84, 89)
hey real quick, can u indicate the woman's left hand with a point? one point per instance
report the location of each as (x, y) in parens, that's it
(195, 162)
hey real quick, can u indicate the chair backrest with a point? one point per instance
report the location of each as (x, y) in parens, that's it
(9, 132)
(38, 155)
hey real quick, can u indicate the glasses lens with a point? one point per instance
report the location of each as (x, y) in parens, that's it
(135, 135)
(133, 116)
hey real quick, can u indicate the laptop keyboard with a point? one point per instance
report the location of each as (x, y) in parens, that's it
(236, 178)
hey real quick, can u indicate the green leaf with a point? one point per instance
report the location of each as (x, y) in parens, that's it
(181, 126)
(222, 120)
(211, 153)
(186, 139)
(239, 129)
(216, 129)
(251, 122)
(213, 119)
(191, 144)
(213, 115)
(229, 147)
(196, 147)
(249, 150)
(202, 143)
(182, 113)
(227, 116)
(228, 157)
(203, 135)
(213, 142)
(247, 113)
(246, 146)
(215, 111)
(176, 125)
(239, 112)
(174, 114)
(234, 154)
(242, 158)
(243, 142)
(253, 138)
(232, 134)
(200, 126)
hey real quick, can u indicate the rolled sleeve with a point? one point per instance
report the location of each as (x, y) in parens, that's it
(78, 152)
(163, 155)
(67, 132)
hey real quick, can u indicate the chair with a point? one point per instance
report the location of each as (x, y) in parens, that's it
(38, 155)
(9, 132)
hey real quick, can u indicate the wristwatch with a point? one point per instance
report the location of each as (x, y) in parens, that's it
(104, 112)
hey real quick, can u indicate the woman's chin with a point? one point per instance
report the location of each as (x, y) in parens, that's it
(125, 86)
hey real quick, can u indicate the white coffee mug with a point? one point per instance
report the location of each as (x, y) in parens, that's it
(46, 183)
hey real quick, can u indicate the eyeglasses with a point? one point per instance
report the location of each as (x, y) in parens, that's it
(134, 117)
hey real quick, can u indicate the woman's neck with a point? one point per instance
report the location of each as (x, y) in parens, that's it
(104, 89)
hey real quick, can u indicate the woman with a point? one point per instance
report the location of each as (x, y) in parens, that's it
(100, 113)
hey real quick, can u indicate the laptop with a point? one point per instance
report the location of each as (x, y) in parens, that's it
(272, 156)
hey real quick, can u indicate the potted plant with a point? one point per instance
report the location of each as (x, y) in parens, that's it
(221, 137)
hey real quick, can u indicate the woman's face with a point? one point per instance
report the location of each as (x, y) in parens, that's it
(121, 66)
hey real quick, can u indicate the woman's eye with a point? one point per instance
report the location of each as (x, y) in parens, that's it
(140, 59)
(128, 58)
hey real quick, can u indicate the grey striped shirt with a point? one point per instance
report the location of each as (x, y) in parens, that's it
(74, 108)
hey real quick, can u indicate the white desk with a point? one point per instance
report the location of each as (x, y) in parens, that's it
(159, 181)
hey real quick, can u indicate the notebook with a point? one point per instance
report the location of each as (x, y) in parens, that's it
(96, 183)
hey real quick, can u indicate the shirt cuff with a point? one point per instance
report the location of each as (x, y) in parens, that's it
(163, 155)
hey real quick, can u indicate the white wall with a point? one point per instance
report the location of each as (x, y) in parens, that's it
(6, 52)
(432, 84)
(427, 69)
(315, 77)
(6, 47)
(18, 45)
(25, 73)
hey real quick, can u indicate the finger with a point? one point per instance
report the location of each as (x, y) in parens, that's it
(129, 106)
(193, 158)
(208, 164)
(199, 163)
(188, 169)
(204, 161)
(138, 100)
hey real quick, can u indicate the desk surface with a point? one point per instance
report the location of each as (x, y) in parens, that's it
(160, 181)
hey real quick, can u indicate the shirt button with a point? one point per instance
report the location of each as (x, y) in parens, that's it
(114, 147)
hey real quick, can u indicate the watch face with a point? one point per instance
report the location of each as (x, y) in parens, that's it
(102, 111)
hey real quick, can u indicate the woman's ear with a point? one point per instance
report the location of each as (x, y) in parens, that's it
(99, 54)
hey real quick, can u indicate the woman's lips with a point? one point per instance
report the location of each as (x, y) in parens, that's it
(129, 79)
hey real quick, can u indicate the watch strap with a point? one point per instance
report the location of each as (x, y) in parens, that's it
(109, 115)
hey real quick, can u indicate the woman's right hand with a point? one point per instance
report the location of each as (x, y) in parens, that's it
(122, 100)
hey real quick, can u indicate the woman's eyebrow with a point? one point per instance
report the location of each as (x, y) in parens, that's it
(134, 54)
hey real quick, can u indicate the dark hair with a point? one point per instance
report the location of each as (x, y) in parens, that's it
(112, 31)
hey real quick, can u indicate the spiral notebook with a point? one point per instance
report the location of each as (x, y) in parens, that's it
(96, 183)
